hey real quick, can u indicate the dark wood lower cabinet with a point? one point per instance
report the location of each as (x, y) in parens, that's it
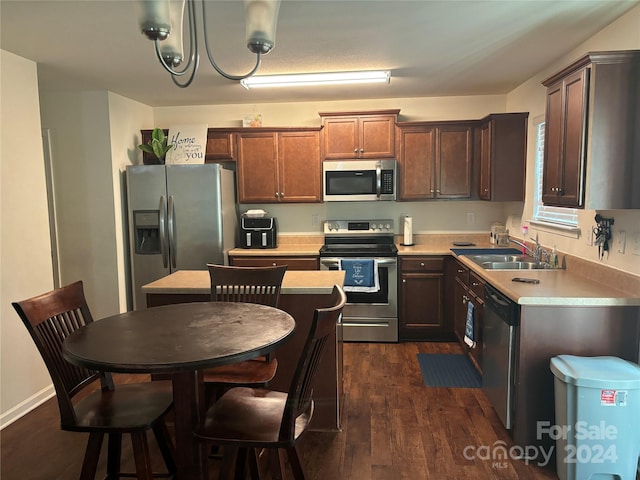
(293, 263)
(468, 287)
(421, 300)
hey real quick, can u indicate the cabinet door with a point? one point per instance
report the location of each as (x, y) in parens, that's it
(503, 156)
(377, 137)
(220, 146)
(565, 139)
(421, 316)
(416, 162)
(575, 110)
(299, 167)
(461, 297)
(453, 165)
(340, 137)
(485, 161)
(552, 175)
(257, 170)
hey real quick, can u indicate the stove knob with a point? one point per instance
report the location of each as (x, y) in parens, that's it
(387, 226)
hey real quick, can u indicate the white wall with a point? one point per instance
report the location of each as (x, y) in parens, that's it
(623, 34)
(126, 118)
(25, 247)
(94, 136)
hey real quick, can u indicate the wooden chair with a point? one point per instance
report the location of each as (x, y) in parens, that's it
(251, 285)
(129, 408)
(254, 418)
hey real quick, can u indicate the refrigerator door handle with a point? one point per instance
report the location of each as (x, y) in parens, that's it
(163, 231)
(173, 251)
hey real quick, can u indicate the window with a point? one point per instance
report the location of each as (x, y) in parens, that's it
(553, 217)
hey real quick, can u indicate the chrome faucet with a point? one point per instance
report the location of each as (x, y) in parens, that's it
(537, 254)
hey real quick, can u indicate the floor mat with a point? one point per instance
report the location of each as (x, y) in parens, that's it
(448, 370)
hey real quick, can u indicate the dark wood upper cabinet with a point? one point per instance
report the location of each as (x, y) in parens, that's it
(502, 145)
(348, 135)
(435, 159)
(279, 166)
(565, 136)
(592, 126)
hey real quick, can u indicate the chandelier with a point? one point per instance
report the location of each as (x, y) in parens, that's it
(162, 22)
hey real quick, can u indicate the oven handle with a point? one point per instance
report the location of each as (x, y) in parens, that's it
(378, 179)
(335, 262)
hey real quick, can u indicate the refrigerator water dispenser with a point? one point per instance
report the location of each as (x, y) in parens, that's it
(147, 231)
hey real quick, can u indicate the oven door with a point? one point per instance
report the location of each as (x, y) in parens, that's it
(371, 317)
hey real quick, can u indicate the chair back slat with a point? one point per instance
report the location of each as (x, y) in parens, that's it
(300, 397)
(246, 284)
(50, 318)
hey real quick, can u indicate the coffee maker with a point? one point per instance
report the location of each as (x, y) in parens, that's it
(258, 232)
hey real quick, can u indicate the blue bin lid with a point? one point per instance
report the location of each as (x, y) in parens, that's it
(596, 372)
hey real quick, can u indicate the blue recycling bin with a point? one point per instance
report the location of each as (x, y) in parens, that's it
(597, 430)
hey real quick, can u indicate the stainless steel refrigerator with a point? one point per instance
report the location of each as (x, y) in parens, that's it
(181, 217)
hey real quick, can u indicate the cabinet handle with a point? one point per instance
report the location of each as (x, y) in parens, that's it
(437, 191)
(432, 190)
(422, 264)
(355, 150)
(404, 280)
(475, 284)
(362, 150)
(486, 189)
(274, 264)
(276, 194)
(282, 194)
(460, 271)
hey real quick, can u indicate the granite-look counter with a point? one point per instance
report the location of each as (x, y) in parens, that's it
(312, 282)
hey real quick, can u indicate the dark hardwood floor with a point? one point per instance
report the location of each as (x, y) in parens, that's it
(393, 428)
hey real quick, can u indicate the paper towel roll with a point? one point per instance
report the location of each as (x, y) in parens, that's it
(408, 231)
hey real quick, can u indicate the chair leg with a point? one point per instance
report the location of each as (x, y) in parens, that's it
(166, 446)
(91, 456)
(252, 459)
(141, 455)
(228, 459)
(114, 452)
(296, 467)
(276, 464)
(241, 464)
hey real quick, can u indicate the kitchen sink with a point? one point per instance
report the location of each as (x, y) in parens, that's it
(508, 262)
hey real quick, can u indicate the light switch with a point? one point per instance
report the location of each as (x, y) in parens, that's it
(635, 243)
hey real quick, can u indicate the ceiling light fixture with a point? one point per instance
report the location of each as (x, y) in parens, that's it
(162, 21)
(314, 79)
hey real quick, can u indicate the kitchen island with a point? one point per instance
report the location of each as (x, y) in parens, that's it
(301, 293)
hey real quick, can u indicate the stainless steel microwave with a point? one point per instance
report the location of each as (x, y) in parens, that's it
(359, 180)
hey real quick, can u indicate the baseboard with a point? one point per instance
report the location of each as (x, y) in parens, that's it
(26, 406)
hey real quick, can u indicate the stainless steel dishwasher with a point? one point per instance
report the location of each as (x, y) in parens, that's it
(500, 328)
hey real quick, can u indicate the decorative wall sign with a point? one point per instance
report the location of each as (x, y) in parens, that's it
(189, 144)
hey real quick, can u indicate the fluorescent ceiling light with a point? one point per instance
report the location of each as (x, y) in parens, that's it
(313, 79)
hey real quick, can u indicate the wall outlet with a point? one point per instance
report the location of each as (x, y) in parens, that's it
(315, 219)
(621, 241)
(635, 243)
(471, 218)
(588, 238)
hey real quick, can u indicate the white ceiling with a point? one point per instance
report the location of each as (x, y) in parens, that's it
(432, 47)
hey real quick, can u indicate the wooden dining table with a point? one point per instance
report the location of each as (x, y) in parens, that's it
(180, 340)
